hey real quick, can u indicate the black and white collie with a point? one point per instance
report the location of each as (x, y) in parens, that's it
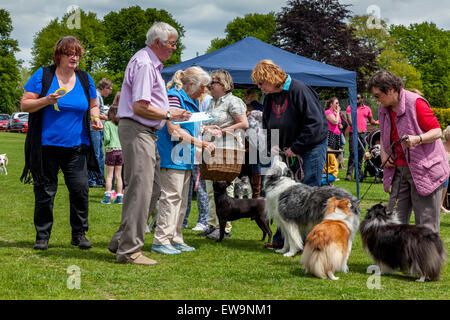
(392, 245)
(297, 208)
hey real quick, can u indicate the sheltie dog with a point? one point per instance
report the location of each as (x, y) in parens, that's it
(329, 243)
(296, 207)
(242, 187)
(394, 246)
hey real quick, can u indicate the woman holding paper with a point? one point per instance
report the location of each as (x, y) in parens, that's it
(176, 147)
(58, 138)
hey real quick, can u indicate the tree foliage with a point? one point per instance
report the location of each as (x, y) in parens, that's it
(127, 31)
(91, 34)
(428, 49)
(390, 57)
(9, 66)
(317, 29)
(260, 26)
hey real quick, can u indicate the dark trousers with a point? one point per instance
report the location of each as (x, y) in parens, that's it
(351, 159)
(72, 162)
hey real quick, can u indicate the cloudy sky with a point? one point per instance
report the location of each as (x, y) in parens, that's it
(204, 20)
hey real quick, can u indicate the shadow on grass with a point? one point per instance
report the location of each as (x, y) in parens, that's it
(65, 251)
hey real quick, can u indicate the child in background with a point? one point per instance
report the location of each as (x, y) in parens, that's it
(333, 170)
(113, 158)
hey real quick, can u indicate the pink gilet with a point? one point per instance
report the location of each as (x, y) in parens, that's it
(428, 163)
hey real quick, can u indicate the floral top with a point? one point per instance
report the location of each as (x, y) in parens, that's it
(223, 110)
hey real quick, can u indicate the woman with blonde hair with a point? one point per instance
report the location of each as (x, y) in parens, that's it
(176, 146)
(229, 113)
(294, 110)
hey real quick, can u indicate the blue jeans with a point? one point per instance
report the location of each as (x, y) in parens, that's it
(97, 144)
(202, 199)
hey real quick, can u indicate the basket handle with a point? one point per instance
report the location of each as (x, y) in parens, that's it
(239, 144)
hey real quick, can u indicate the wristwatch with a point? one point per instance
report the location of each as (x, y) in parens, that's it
(168, 115)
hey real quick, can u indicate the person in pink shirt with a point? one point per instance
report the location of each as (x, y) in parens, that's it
(332, 112)
(143, 109)
(363, 113)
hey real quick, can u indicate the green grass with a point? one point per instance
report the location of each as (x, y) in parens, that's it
(237, 268)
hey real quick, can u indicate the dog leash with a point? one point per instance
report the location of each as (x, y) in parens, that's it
(392, 155)
(299, 174)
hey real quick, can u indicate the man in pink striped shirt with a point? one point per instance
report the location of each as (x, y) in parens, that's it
(143, 109)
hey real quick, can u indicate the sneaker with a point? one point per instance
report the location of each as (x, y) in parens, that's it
(113, 195)
(207, 231)
(183, 247)
(348, 177)
(168, 249)
(106, 199)
(215, 235)
(119, 200)
(200, 227)
(80, 240)
(137, 258)
(41, 245)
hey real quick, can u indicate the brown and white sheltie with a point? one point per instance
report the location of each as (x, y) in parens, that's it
(329, 243)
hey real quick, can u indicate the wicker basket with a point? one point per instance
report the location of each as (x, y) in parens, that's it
(226, 166)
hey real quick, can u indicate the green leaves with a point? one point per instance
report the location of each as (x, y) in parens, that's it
(9, 66)
(260, 26)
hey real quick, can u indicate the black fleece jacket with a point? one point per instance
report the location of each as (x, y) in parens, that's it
(298, 115)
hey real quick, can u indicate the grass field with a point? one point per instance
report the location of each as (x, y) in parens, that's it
(237, 268)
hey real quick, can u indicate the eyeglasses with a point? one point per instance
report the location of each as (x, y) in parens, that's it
(70, 55)
(376, 95)
(358, 98)
(172, 43)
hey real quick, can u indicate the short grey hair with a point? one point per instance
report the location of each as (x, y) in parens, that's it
(161, 31)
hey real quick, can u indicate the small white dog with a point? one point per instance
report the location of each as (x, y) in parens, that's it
(3, 163)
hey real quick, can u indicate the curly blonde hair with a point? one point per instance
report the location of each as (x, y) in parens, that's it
(225, 79)
(268, 71)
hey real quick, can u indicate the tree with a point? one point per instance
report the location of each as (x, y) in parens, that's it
(127, 31)
(316, 29)
(9, 66)
(260, 26)
(390, 57)
(428, 50)
(91, 33)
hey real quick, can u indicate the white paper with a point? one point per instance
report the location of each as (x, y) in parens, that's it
(196, 117)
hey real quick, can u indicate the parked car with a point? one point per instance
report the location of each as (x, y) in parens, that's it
(17, 120)
(4, 120)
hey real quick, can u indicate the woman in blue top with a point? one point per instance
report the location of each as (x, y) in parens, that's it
(58, 138)
(176, 147)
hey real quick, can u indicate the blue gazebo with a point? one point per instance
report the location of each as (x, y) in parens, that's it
(240, 58)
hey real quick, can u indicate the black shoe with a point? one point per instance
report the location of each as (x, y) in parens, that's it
(41, 245)
(207, 231)
(80, 240)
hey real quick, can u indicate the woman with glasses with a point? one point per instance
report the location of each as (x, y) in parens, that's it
(59, 138)
(416, 167)
(229, 113)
